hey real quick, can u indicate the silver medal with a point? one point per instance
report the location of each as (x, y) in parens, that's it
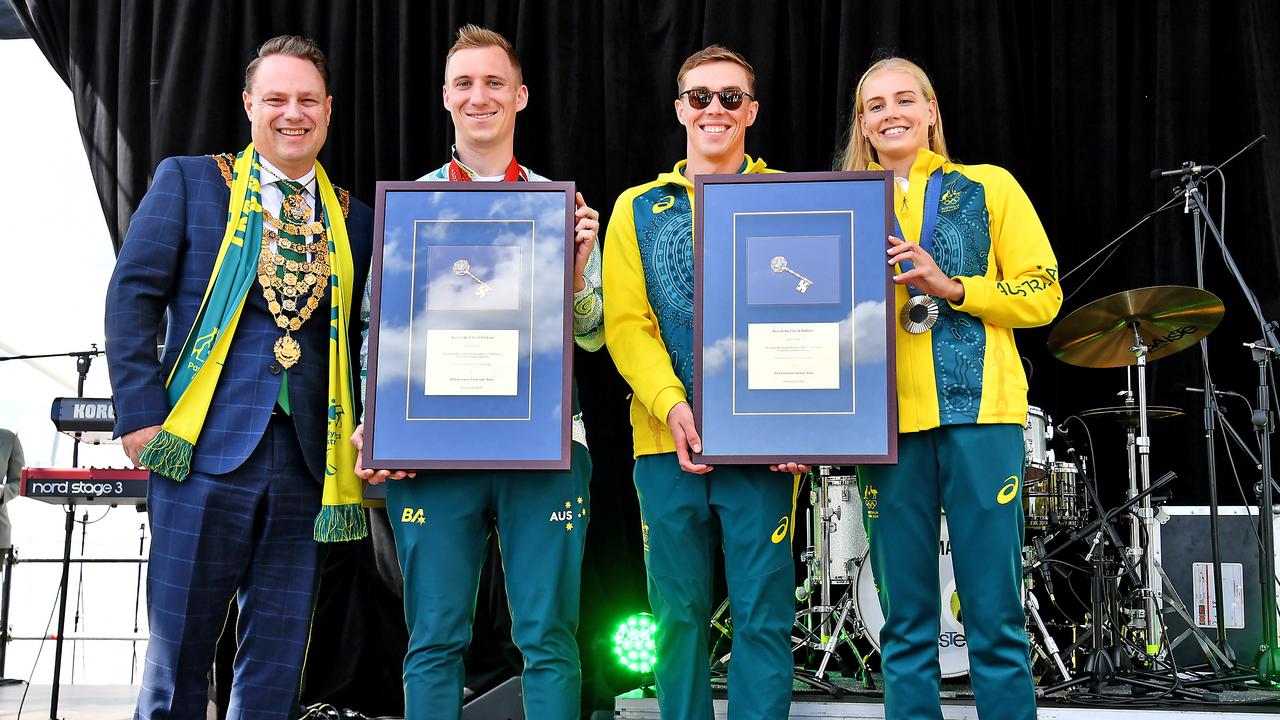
(919, 315)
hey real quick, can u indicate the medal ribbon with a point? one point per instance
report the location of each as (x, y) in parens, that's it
(932, 199)
(461, 173)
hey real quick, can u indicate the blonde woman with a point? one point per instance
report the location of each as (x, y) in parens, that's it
(972, 263)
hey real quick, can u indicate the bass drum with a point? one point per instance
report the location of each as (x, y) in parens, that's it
(953, 655)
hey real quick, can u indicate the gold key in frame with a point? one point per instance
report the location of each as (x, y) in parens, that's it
(779, 264)
(463, 268)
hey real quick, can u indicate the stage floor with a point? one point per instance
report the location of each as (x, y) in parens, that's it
(957, 704)
(115, 702)
(75, 702)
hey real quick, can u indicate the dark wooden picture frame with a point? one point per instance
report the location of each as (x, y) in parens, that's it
(768, 454)
(376, 456)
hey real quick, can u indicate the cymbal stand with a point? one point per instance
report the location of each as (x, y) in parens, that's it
(1150, 618)
(1154, 582)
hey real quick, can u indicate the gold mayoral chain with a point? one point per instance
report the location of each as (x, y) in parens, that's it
(293, 288)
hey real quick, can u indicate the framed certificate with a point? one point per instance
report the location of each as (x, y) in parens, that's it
(793, 329)
(470, 356)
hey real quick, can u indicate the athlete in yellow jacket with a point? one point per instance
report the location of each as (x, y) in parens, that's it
(972, 263)
(648, 311)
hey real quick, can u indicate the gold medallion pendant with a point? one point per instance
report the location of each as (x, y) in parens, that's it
(288, 351)
(295, 209)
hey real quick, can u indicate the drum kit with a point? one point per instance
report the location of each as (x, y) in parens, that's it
(841, 615)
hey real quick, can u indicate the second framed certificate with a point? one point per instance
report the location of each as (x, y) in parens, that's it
(794, 349)
(469, 344)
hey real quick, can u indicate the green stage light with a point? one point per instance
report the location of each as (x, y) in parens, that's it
(633, 643)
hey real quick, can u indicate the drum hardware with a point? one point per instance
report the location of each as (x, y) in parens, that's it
(1105, 660)
(826, 645)
(1127, 414)
(1114, 331)
(1102, 333)
(1051, 647)
(1036, 435)
(1054, 500)
(835, 501)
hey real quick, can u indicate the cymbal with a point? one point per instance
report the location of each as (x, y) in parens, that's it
(1127, 415)
(1169, 318)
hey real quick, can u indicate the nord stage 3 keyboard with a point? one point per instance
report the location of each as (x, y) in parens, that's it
(85, 486)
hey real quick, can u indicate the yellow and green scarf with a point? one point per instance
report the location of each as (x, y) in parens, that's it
(195, 374)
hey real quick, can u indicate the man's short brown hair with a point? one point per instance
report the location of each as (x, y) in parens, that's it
(716, 53)
(293, 46)
(471, 37)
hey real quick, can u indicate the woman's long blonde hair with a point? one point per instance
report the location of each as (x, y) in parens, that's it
(858, 150)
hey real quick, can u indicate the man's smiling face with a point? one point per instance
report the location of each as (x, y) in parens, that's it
(714, 133)
(289, 110)
(483, 93)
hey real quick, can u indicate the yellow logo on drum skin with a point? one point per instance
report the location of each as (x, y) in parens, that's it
(664, 204)
(780, 533)
(1009, 491)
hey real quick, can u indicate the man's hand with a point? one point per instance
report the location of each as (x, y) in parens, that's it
(685, 436)
(791, 468)
(374, 477)
(584, 239)
(135, 441)
(926, 276)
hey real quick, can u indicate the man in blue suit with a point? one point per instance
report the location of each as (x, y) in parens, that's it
(237, 422)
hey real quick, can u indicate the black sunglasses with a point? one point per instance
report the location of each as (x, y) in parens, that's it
(730, 98)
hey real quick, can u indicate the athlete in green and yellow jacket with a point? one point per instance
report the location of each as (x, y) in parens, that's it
(442, 519)
(971, 246)
(648, 309)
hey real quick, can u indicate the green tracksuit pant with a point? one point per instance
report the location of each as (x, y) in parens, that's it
(974, 472)
(753, 509)
(441, 522)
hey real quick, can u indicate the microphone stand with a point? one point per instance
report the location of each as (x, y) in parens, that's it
(1190, 187)
(84, 359)
(1262, 351)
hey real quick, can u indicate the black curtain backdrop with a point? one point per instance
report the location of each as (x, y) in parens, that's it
(1079, 99)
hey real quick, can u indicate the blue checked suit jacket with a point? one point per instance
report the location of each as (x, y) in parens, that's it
(164, 264)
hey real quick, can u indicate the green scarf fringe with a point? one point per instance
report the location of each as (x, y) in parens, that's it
(168, 455)
(340, 523)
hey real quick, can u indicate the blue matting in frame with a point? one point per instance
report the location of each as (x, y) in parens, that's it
(796, 354)
(472, 327)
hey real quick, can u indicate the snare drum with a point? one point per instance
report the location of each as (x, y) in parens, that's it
(848, 542)
(1036, 435)
(1053, 501)
(953, 655)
